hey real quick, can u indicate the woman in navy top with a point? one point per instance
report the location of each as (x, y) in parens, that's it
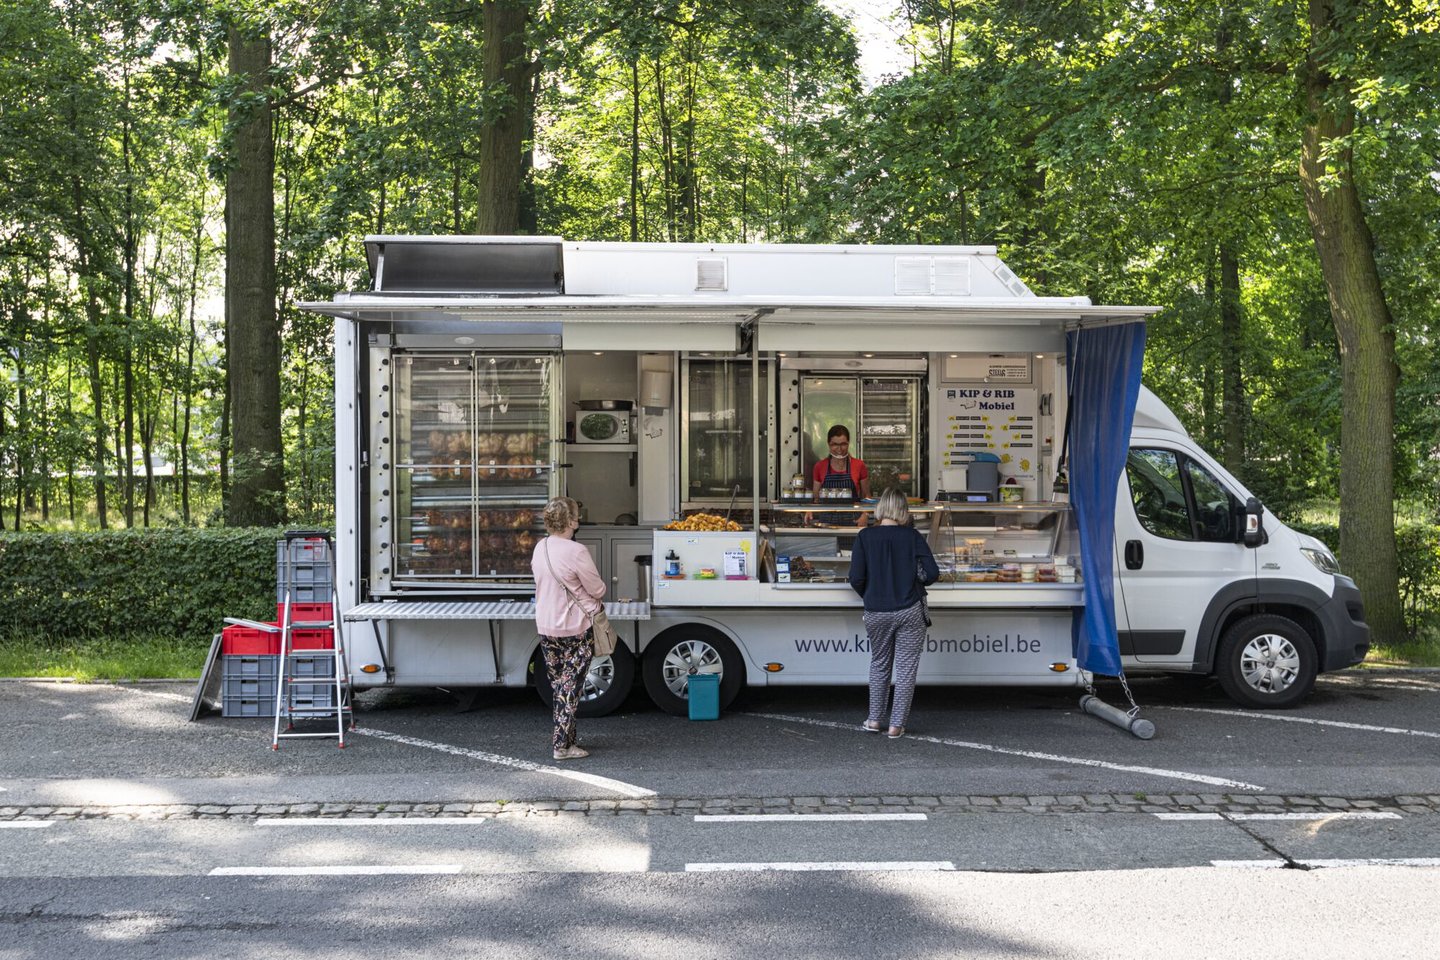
(890, 567)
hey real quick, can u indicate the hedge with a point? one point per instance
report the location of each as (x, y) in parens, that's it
(177, 582)
(1418, 544)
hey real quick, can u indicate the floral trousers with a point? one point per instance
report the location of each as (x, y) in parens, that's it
(567, 661)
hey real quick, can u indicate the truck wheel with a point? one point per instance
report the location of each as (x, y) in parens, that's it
(674, 656)
(606, 685)
(1267, 661)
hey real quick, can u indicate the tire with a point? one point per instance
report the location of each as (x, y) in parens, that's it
(606, 685)
(1267, 662)
(676, 654)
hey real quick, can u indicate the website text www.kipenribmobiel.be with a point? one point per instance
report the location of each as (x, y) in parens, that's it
(1005, 643)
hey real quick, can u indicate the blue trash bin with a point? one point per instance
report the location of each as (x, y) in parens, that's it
(704, 692)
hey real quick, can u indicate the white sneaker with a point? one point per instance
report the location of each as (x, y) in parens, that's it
(571, 753)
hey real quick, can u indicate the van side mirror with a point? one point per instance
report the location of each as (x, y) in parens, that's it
(1254, 531)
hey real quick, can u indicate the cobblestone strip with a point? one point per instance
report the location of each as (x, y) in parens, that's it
(684, 807)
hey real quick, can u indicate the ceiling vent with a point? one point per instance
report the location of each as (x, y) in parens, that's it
(932, 276)
(711, 274)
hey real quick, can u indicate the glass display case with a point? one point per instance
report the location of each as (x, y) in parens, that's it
(719, 431)
(474, 465)
(991, 543)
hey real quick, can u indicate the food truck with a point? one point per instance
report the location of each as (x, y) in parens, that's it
(682, 393)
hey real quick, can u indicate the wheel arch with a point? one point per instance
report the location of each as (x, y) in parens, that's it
(1293, 599)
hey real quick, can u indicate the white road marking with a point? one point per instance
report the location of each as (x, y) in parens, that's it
(155, 693)
(1316, 815)
(879, 865)
(1327, 864)
(1342, 724)
(365, 822)
(342, 870)
(803, 817)
(605, 783)
(1035, 755)
(1375, 862)
(26, 824)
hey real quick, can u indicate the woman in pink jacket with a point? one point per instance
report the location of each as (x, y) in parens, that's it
(568, 589)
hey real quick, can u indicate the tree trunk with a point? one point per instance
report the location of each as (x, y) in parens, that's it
(635, 151)
(1232, 389)
(128, 344)
(257, 487)
(502, 136)
(1364, 331)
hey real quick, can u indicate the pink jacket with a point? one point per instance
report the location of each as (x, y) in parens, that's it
(556, 614)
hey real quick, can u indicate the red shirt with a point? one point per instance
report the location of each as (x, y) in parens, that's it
(858, 472)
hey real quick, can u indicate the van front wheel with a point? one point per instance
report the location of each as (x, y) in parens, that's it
(1267, 661)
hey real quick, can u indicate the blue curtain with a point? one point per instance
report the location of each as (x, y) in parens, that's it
(1104, 366)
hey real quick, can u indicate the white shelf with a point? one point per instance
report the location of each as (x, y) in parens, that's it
(602, 448)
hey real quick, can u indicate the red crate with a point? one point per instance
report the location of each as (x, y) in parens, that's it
(236, 640)
(305, 612)
(312, 639)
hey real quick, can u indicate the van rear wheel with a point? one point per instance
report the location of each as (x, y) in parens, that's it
(1267, 661)
(606, 685)
(676, 655)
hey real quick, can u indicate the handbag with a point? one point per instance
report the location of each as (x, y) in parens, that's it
(603, 638)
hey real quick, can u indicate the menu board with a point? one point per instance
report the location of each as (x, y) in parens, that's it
(981, 417)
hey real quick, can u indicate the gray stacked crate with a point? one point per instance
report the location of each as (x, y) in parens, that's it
(248, 680)
(308, 569)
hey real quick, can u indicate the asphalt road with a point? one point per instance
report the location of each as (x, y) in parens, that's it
(1009, 825)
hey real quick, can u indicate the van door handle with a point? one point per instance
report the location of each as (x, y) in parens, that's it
(1134, 555)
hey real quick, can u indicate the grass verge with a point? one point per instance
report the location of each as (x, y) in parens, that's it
(133, 658)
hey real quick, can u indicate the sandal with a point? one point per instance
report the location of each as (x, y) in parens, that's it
(571, 753)
(870, 726)
(895, 733)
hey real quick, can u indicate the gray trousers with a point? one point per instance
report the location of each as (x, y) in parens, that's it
(896, 639)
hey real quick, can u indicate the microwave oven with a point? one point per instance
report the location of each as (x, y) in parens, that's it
(602, 426)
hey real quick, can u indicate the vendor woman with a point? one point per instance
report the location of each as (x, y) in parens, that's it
(840, 470)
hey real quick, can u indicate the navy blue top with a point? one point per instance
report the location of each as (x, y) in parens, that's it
(890, 566)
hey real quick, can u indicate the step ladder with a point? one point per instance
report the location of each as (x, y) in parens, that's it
(302, 693)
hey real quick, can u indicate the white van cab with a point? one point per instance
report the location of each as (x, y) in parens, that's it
(1208, 584)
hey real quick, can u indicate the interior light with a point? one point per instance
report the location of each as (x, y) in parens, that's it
(599, 353)
(465, 341)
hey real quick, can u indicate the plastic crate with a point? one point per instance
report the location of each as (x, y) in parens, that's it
(318, 639)
(237, 640)
(241, 707)
(250, 667)
(305, 612)
(301, 551)
(322, 666)
(247, 688)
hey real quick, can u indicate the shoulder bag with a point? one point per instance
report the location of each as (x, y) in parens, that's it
(603, 637)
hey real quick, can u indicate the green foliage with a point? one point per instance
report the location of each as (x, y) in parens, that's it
(1418, 541)
(175, 582)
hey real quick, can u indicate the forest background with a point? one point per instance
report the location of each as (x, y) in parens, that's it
(176, 175)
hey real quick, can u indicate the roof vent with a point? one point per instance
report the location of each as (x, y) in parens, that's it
(1013, 283)
(711, 274)
(952, 276)
(932, 276)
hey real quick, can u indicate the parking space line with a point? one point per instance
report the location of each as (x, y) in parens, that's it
(26, 824)
(368, 822)
(339, 870)
(805, 817)
(1032, 754)
(1322, 864)
(1309, 815)
(604, 783)
(838, 865)
(1342, 724)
